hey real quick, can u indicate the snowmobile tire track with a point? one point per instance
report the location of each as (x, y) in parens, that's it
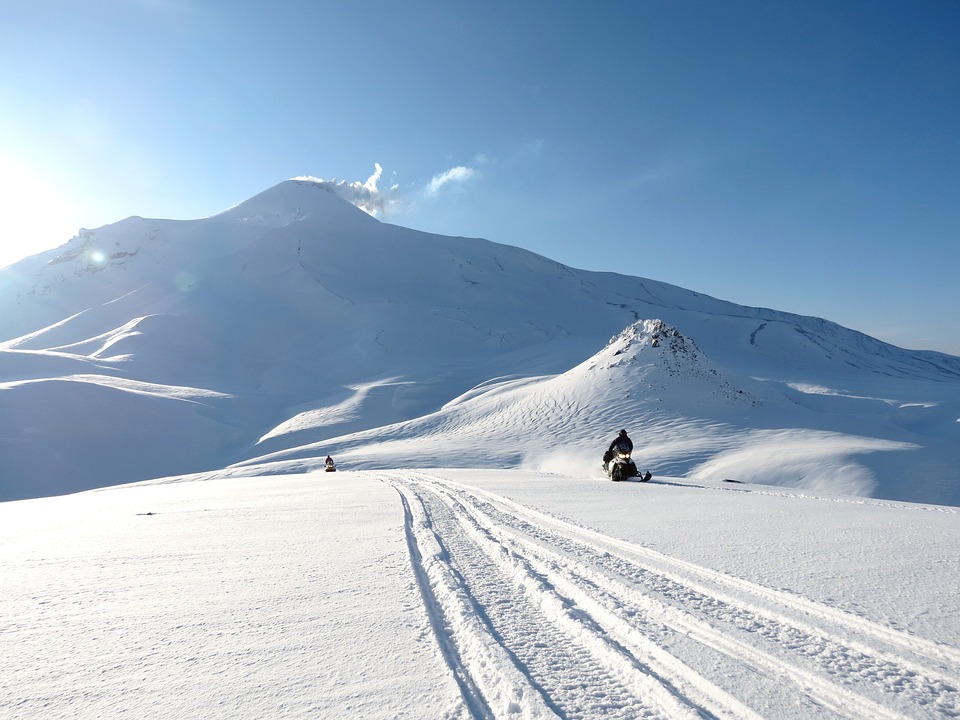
(537, 641)
(637, 613)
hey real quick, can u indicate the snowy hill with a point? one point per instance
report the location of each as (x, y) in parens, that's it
(295, 325)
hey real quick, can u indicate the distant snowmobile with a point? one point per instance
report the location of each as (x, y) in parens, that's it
(618, 466)
(329, 465)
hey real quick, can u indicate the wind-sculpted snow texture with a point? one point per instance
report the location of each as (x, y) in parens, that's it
(294, 325)
(476, 595)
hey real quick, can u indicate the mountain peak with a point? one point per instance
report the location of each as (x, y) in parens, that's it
(656, 356)
(293, 201)
(644, 337)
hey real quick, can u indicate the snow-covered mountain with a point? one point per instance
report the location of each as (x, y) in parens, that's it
(295, 325)
(515, 582)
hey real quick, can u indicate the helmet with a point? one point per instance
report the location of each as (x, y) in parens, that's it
(623, 432)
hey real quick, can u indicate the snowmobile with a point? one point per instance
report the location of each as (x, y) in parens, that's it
(618, 466)
(329, 466)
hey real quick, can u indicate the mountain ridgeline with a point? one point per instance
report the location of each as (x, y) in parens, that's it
(295, 325)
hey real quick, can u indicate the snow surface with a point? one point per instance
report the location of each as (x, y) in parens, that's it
(451, 593)
(295, 325)
(468, 560)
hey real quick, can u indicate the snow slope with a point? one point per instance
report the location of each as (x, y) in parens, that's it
(294, 325)
(450, 593)
(687, 417)
(467, 561)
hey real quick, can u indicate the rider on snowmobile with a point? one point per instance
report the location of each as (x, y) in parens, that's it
(624, 445)
(621, 441)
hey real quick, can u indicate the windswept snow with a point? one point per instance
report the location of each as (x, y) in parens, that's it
(295, 325)
(684, 414)
(476, 594)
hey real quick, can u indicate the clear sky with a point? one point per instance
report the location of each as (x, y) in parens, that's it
(803, 156)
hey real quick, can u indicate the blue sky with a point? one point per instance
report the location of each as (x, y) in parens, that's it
(803, 156)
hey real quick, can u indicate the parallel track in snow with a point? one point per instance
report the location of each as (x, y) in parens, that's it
(539, 618)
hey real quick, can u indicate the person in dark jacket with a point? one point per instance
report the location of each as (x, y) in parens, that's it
(622, 441)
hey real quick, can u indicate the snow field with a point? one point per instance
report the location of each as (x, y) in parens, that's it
(456, 594)
(651, 621)
(285, 598)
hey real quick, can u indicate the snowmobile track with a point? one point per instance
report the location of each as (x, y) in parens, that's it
(538, 617)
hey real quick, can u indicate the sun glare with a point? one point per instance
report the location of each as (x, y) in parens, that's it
(36, 215)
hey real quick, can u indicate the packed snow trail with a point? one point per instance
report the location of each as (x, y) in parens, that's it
(538, 617)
